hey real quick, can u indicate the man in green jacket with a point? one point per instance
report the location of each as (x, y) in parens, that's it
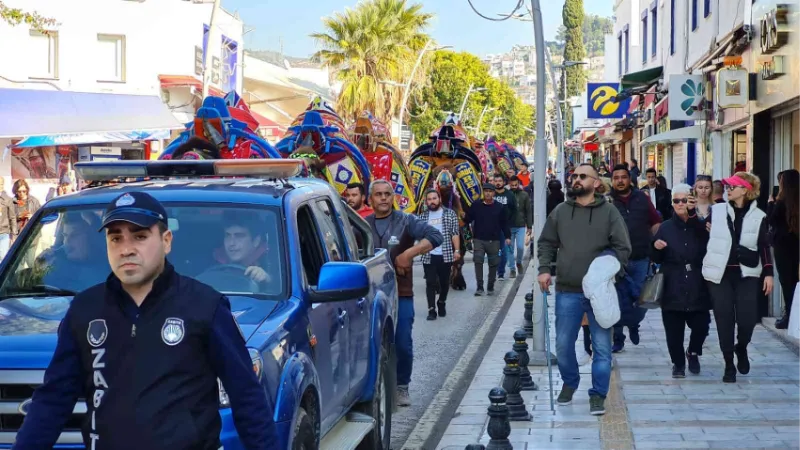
(521, 225)
(579, 230)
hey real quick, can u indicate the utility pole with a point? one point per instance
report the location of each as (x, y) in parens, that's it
(559, 117)
(212, 39)
(539, 355)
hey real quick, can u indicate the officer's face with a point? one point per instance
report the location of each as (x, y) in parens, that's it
(76, 242)
(239, 243)
(136, 254)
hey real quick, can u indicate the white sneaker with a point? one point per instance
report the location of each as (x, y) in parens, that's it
(583, 357)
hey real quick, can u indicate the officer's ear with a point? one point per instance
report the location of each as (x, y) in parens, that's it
(166, 237)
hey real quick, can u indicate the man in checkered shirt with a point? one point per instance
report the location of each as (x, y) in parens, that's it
(438, 262)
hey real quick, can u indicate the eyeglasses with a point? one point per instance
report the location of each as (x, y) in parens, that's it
(582, 176)
(676, 201)
(731, 188)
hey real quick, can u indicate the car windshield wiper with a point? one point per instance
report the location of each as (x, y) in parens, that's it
(40, 290)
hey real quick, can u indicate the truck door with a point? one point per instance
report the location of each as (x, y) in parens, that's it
(329, 324)
(360, 308)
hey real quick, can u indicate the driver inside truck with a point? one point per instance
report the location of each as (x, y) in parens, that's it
(244, 244)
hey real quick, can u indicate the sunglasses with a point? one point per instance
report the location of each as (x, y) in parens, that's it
(731, 188)
(582, 176)
(676, 201)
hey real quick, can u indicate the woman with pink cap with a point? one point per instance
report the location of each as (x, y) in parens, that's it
(738, 255)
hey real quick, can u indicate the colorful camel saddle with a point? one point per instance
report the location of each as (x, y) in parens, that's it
(228, 124)
(385, 162)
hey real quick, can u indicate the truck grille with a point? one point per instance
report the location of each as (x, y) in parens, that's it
(16, 387)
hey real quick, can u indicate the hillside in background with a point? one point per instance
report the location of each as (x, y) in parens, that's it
(594, 30)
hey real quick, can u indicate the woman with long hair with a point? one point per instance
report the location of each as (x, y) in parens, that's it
(702, 194)
(784, 221)
(737, 256)
(24, 204)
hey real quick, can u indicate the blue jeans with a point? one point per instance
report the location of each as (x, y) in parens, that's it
(5, 243)
(404, 344)
(518, 241)
(628, 291)
(570, 307)
(501, 269)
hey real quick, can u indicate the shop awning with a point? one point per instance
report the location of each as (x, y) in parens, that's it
(675, 136)
(641, 78)
(173, 81)
(92, 138)
(30, 112)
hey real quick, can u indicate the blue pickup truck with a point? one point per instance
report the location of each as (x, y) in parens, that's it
(319, 329)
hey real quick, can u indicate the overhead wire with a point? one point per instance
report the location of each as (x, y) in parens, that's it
(520, 3)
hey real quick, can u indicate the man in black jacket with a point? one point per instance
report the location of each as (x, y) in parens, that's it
(489, 230)
(145, 349)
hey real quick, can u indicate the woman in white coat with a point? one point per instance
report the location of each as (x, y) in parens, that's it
(738, 255)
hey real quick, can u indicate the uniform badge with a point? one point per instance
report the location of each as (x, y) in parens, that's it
(172, 332)
(393, 240)
(126, 200)
(97, 332)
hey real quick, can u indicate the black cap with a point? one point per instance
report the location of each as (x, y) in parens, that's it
(489, 186)
(137, 208)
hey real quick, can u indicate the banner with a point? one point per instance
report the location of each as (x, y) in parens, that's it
(686, 92)
(601, 101)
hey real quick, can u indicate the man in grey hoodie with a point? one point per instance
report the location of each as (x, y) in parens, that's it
(579, 230)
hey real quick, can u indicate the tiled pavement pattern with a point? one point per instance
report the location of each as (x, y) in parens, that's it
(646, 408)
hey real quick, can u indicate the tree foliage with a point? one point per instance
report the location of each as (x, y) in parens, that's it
(17, 16)
(573, 19)
(449, 78)
(377, 41)
(594, 30)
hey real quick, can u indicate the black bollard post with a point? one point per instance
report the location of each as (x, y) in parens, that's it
(521, 347)
(475, 447)
(527, 317)
(511, 383)
(499, 428)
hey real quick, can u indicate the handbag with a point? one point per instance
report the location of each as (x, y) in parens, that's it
(653, 289)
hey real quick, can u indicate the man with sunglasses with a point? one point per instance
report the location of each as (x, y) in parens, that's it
(579, 230)
(642, 221)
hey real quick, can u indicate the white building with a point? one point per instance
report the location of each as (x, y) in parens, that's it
(108, 66)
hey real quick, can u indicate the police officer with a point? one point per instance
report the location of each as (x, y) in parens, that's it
(145, 349)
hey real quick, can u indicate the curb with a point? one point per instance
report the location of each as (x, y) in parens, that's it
(791, 343)
(431, 426)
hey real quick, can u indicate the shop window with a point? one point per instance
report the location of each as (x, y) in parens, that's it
(110, 58)
(739, 161)
(43, 55)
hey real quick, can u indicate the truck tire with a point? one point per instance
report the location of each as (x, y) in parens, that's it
(303, 437)
(380, 408)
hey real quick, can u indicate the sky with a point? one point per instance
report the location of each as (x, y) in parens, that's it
(271, 21)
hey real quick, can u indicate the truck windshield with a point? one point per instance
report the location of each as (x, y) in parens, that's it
(236, 250)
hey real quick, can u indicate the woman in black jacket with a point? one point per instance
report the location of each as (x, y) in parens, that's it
(783, 220)
(679, 246)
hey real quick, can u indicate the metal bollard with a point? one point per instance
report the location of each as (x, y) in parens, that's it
(475, 447)
(521, 347)
(527, 318)
(499, 428)
(511, 383)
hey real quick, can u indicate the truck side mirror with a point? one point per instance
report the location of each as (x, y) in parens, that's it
(340, 281)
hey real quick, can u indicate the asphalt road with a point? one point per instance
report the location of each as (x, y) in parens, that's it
(438, 344)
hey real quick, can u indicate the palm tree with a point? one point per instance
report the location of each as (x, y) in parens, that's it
(378, 40)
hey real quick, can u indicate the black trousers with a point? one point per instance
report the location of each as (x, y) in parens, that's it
(735, 303)
(786, 262)
(437, 277)
(675, 323)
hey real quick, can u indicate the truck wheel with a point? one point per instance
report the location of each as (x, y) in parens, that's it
(380, 408)
(304, 437)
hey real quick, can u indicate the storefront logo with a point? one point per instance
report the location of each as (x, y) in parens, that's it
(687, 93)
(773, 35)
(602, 101)
(772, 68)
(694, 92)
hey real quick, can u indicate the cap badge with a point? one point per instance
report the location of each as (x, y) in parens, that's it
(126, 200)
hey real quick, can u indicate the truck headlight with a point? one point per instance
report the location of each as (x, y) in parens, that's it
(258, 368)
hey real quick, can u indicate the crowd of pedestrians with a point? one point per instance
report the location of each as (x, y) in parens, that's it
(711, 242)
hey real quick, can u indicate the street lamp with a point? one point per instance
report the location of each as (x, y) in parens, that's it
(563, 129)
(411, 77)
(480, 120)
(471, 89)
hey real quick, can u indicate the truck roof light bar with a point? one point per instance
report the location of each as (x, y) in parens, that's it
(254, 168)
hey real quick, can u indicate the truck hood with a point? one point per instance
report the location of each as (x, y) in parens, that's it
(29, 326)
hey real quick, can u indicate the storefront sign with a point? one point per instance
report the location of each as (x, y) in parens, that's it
(772, 68)
(732, 87)
(602, 104)
(105, 151)
(773, 32)
(215, 67)
(686, 93)
(198, 60)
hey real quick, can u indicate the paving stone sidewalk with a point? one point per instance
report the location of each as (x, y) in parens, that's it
(645, 408)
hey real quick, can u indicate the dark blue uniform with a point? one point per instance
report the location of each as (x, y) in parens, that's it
(149, 374)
